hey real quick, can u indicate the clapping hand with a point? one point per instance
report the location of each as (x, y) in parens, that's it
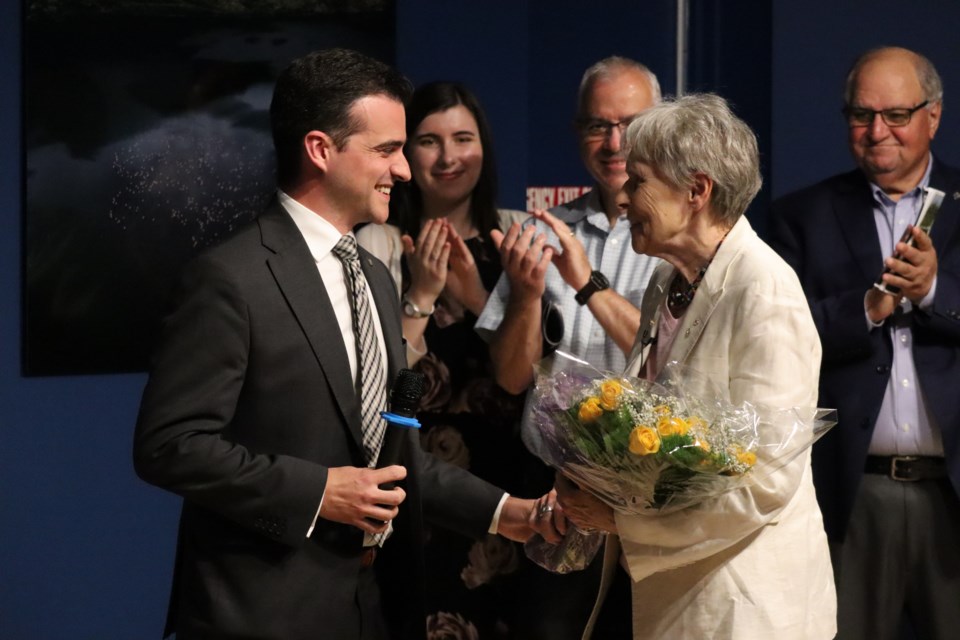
(428, 260)
(913, 268)
(525, 257)
(571, 258)
(463, 278)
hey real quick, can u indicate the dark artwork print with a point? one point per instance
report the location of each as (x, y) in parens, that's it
(146, 139)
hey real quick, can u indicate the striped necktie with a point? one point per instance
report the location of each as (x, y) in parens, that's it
(371, 374)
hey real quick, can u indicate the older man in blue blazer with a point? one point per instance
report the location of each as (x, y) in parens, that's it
(888, 476)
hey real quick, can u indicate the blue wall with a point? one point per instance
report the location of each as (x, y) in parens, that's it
(87, 549)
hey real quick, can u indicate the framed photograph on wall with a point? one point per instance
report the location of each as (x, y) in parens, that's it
(146, 139)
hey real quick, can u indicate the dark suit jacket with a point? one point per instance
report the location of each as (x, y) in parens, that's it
(827, 233)
(249, 402)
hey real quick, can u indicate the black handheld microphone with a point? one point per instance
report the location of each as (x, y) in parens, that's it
(404, 402)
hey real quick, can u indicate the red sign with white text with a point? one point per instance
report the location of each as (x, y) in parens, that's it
(547, 197)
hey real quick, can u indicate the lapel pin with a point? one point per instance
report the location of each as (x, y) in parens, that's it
(956, 195)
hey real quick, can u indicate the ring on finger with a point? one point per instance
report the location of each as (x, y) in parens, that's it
(543, 510)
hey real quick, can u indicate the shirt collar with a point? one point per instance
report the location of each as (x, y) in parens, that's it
(591, 210)
(321, 236)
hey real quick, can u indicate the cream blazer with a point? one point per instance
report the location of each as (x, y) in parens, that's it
(753, 563)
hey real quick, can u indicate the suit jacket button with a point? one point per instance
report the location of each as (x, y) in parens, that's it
(883, 369)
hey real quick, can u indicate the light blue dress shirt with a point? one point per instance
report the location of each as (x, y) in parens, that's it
(904, 425)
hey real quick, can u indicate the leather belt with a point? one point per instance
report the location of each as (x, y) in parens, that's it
(367, 556)
(907, 468)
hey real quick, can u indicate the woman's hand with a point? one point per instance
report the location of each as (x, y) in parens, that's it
(525, 256)
(582, 508)
(427, 260)
(463, 278)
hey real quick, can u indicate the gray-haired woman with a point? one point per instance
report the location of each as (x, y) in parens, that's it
(752, 563)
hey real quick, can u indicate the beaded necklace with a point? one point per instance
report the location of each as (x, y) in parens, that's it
(682, 292)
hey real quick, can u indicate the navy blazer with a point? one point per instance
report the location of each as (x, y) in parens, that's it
(827, 233)
(250, 400)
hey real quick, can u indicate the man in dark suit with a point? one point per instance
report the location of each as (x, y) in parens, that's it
(252, 412)
(888, 475)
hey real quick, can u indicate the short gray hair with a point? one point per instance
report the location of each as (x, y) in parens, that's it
(698, 133)
(609, 68)
(927, 75)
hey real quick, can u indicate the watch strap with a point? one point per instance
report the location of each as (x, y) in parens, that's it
(597, 282)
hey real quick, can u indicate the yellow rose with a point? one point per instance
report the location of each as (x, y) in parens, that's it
(590, 409)
(703, 444)
(644, 441)
(748, 458)
(694, 422)
(671, 426)
(610, 392)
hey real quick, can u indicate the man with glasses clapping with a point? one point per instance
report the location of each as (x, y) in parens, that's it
(571, 277)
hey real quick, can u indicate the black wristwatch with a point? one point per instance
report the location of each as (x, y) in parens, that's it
(597, 282)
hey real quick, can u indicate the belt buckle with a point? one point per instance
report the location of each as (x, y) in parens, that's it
(893, 468)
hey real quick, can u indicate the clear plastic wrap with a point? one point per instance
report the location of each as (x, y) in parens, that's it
(649, 448)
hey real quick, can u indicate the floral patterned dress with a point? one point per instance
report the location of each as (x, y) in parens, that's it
(487, 589)
(469, 421)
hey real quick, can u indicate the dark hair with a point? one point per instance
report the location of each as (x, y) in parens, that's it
(434, 97)
(316, 93)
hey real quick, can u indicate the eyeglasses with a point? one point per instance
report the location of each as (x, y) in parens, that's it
(859, 117)
(599, 129)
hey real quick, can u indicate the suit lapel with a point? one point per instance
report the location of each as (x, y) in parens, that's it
(853, 211)
(949, 213)
(296, 275)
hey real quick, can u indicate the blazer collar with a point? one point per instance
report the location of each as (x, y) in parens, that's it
(700, 309)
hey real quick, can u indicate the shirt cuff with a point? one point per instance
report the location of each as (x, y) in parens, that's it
(495, 523)
(315, 517)
(871, 325)
(414, 351)
(927, 302)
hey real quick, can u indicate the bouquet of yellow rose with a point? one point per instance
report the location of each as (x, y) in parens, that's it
(647, 448)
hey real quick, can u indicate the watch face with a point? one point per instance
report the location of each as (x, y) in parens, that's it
(411, 310)
(597, 282)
